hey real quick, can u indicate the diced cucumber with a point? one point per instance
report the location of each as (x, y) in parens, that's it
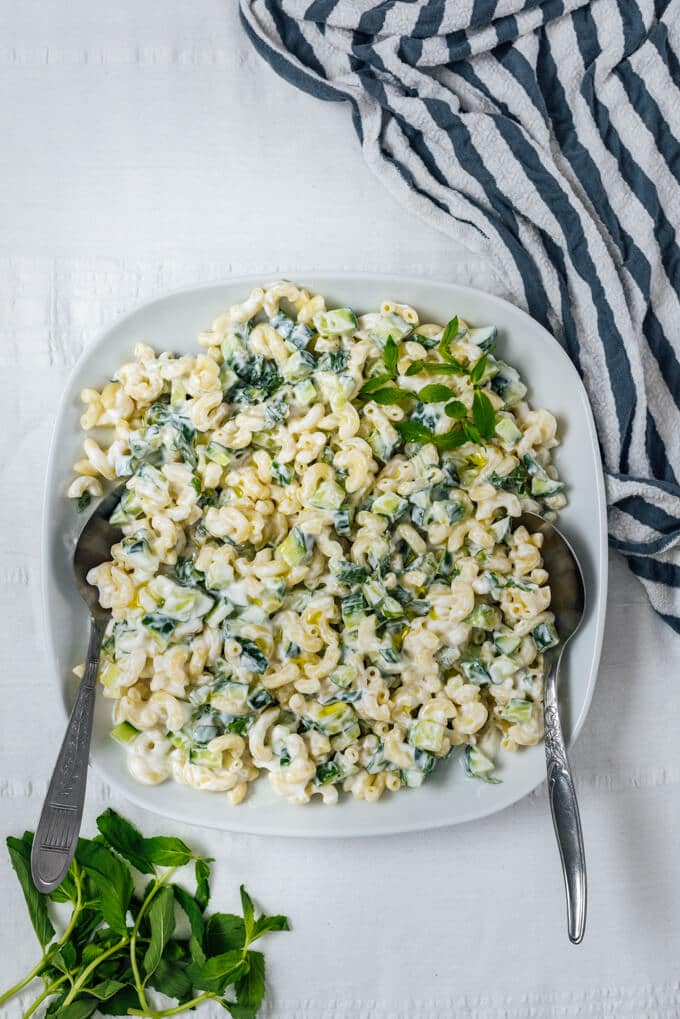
(237, 723)
(506, 643)
(177, 602)
(412, 778)
(502, 668)
(291, 650)
(507, 383)
(541, 482)
(328, 496)
(345, 768)
(545, 636)
(388, 325)
(374, 593)
(446, 512)
(383, 445)
(283, 324)
(124, 733)
(178, 394)
(281, 473)
(333, 361)
(251, 657)
(179, 740)
(474, 671)
(517, 710)
(390, 608)
(484, 337)
(219, 575)
(349, 573)
(342, 521)
(300, 335)
(326, 772)
(332, 719)
(377, 762)
(128, 508)
(485, 617)
(299, 366)
(427, 735)
(305, 392)
(273, 593)
(161, 628)
(507, 430)
(234, 351)
(259, 698)
(478, 765)
(389, 505)
(265, 440)
(500, 528)
(379, 553)
(218, 453)
(353, 609)
(294, 549)
(343, 676)
(205, 758)
(336, 321)
(236, 693)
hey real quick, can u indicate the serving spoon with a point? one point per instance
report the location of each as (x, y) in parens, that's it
(568, 605)
(56, 836)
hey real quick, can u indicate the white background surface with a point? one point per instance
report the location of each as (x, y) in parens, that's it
(146, 146)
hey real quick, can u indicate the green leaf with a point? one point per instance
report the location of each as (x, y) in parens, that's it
(483, 414)
(248, 912)
(435, 394)
(106, 989)
(264, 924)
(20, 855)
(390, 395)
(126, 840)
(161, 917)
(456, 409)
(121, 1002)
(194, 915)
(390, 357)
(172, 980)
(112, 880)
(414, 368)
(166, 851)
(471, 432)
(444, 368)
(413, 431)
(250, 988)
(450, 440)
(375, 383)
(448, 336)
(66, 891)
(217, 972)
(65, 959)
(202, 882)
(478, 370)
(224, 932)
(81, 1008)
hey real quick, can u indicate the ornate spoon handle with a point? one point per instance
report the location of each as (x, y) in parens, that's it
(565, 813)
(56, 836)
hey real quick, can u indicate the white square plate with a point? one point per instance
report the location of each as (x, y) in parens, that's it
(448, 797)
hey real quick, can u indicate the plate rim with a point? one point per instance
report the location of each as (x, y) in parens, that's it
(331, 830)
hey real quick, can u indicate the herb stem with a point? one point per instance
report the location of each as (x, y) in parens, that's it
(82, 979)
(139, 984)
(50, 989)
(185, 1006)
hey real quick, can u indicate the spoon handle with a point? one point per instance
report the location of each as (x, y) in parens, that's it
(56, 836)
(565, 813)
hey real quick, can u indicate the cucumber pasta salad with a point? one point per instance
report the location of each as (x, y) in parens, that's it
(319, 576)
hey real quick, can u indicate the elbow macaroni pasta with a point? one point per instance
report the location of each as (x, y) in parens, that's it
(317, 578)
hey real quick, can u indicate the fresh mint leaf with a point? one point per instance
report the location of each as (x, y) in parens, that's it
(166, 851)
(161, 917)
(66, 891)
(483, 415)
(20, 855)
(126, 840)
(224, 932)
(106, 989)
(450, 440)
(122, 1001)
(264, 924)
(471, 432)
(435, 394)
(202, 882)
(112, 880)
(448, 336)
(248, 912)
(81, 1008)
(391, 395)
(249, 988)
(171, 980)
(390, 357)
(477, 372)
(373, 384)
(412, 431)
(414, 368)
(190, 907)
(216, 973)
(456, 409)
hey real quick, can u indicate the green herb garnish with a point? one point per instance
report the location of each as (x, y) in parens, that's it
(483, 415)
(478, 370)
(435, 394)
(119, 944)
(83, 502)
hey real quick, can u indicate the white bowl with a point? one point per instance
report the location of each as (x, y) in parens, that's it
(448, 797)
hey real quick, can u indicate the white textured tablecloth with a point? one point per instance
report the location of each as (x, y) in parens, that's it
(144, 146)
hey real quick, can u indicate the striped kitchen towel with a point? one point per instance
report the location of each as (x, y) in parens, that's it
(545, 136)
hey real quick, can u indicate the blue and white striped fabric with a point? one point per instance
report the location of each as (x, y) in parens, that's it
(544, 135)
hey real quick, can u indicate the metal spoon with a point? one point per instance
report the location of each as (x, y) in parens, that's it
(568, 604)
(57, 834)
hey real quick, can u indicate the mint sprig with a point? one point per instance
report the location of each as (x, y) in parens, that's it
(118, 944)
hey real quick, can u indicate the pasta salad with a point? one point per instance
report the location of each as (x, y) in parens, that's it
(319, 576)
